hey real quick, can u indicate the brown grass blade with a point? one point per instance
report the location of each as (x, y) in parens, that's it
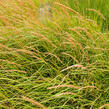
(43, 37)
(34, 102)
(101, 37)
(1, 66)
(77, 32)
(73, 66)
(14, 71)
(65, 93)
(102, 107)
(71, 57)
(85, 30)
(69, 86)
(68, 9)
(3, 46)
(2, 60)
(1, 38)
(94, 87)
(24, 50)
(55, 56)
(71, 39)
(98, 12)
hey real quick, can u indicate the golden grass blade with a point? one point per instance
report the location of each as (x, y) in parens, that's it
(3, 46)
(24, 51)
(96, 11)
(72, 86)
(101, 37)
(68, 9)
(14, 71)
(102, 107)
(87, 33)
(71, 39)
(65, 93)
(73, 66)
(1, 38)
(55, 56)
(1, 66)
(34, 102)
(94, 87)
(69, 86)
(71, 56)
(92, 22)
(2, 60)
(43, 37)
(77, 32)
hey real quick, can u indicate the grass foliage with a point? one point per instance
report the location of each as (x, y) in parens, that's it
(60, 61)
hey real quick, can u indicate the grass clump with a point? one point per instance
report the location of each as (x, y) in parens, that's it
(58, 62)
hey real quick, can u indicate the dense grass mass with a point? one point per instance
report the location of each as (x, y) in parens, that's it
(58, 61)
(98, 5)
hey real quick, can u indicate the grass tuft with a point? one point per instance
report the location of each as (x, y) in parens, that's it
(53, 61)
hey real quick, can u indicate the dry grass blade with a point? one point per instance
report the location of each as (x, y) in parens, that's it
(71, 57)
(85, 30)
(14, 71)
(102, 107)
(68, 9)
(37, 51)
(70, 42)
(55, 57)
(72, 86)
(2, 60)
(34, 102)
(69, 86)
(1, 66)
(67, 14)
(42, 60)
(97, 48)
(43, 37)
(25, 51)
(1, 38)
(92, 22)
(73, 66)
(65, 93)
(96, 11)
(3, 46)
(77, 32)
(94, 87)
(71, 39)
(101, 37)
(56, 26)
(5, 21)
(33, 54)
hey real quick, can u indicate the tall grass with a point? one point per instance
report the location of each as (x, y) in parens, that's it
(56, 63)
(95, 5)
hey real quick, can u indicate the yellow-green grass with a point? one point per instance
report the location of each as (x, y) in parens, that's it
(99, 5)
(56, 63)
